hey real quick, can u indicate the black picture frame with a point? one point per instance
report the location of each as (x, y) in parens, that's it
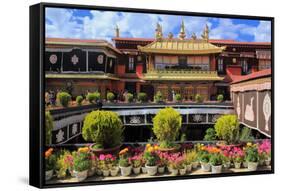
(37, 81)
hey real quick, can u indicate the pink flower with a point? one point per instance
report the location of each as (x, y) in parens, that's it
(102, 157)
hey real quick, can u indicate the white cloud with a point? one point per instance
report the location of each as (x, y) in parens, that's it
(261, 33)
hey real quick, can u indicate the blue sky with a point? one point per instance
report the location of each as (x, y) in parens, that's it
(92, 24)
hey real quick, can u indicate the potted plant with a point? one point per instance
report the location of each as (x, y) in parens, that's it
(216, 161)
(50, 161)
(166, 126)
(162, 162)
(114, 169)
(61, 165)
(136, 163)
(264, 149)
(124, 163)
(79, 100)
(142, 97)
(189, 158)
(93, 97)
(178, 97)
(158, 97)
(110, 96)
(105, 163)
(204, 161)
(227, 128)
(104, 128)
(94, 164)
(181, 165)
(198, 98)
(151, 159)
(49, 125)
(130, 97)
(237, 157)
(64, 98)
(174, 160)
(220, 98)
(81, 165)
(252, 157)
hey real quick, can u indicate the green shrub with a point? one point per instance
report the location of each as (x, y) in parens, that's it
(198, 98)
(79, 100)
(220, 98)
(110, 96)
(130, 97)
(142, 97)
(166, 125)
(49, 125)
(216, 159)
(158, 97)
(227, 128)
(210, 135)
(93, 97)
(104, 128)
(178, 97)
(205, 158)
(64, 98)
(81, 161)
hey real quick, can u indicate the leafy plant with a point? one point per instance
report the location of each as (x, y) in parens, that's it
(166, 125)
(81, 161)
(252, 154)
(220, 98)
(130, 97)
(124, 158)
(64, 98)
(79, 100)
(142, 97)
(150, 155)
(227, 128)
(191, 156)
(104, 128)
(158, 97)
(216, 159)
(198, 98)
(50, 159)
(246, 135)
(110, 96)
(93, 97)
(49, 125)
(61, 166)
(210, 135)
(178, 97)
(205, 158)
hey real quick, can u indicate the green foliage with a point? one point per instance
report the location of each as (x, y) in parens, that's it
(142, 97)
(79, 100)
(246, 135)
(252, 154)
(61, 166)
(130, 97)
(220, 98)
(110, 96)
(104, 128)
(158, 97)
(205, 158)
(64, 98)
(49, 125)
(93, 97)
(151, 158)
(227, 128)
(191, 156)
(178, 97)
(124, 162)
(183, 137)
(166, 125)
(198, 98)
(216, 159)
(210, 135)
(81, 161)
(50, 162)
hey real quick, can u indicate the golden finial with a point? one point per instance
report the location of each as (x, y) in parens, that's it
(117, 32)
(158, 32)
(182, 34)
(206, 32)
(193, 36)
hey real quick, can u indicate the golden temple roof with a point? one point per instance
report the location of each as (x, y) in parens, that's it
(185, 46)
(181, 75)
(81, 76)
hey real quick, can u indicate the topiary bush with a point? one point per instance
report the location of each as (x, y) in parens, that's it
(142, 97)
(49, 125)
(110, 96)
(79, 100)
(93, 97)
(64, 98)
(220, 98)
(166, 126)
(227, 128)
(104, 128)
(210, 135)
(130, 97)
(158, 97)
(178, 97)
(198, 98)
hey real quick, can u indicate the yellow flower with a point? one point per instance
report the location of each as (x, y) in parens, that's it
(83, 149)
(150, 149)
(148, 145)
(249, 144)
(156, 147)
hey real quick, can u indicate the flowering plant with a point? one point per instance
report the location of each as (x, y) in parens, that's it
(124, 158)
(106, 161)
(176, 161)
(81, 161)
(237, 154)
(264, 149)
(136, 161)
(190, 156)
(251, 152)
(151, 155)
(163, 158)
(50, 159)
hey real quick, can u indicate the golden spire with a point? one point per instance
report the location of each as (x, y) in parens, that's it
(206, 32)
(182, 34)
(170, 36)
(117, 32)
(193, 36)
(158, 32)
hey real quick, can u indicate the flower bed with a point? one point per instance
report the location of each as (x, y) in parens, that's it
(150, 161)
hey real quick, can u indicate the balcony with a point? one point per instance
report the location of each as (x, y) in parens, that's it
(182, 75)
